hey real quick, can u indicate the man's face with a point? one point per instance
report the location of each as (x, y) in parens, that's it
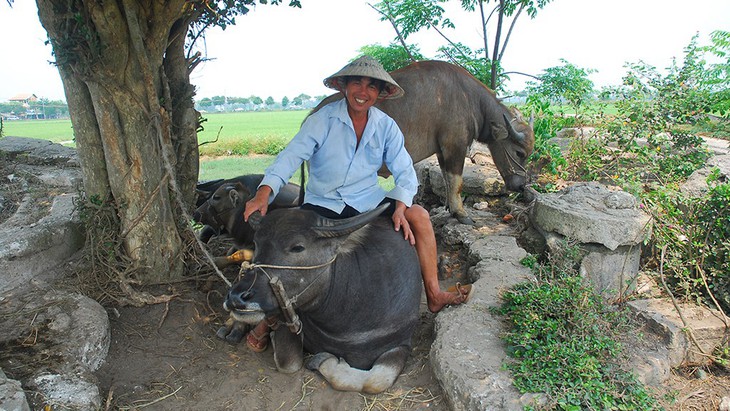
(362, 93)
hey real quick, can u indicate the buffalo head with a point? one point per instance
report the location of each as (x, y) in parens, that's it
(511, 143)
(221, 206)
(299, 248)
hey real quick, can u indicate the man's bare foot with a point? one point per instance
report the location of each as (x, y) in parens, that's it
(454, 296)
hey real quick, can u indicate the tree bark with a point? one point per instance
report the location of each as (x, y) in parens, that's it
(127, 86)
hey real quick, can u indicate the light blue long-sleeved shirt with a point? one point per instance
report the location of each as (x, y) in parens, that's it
(341, 172)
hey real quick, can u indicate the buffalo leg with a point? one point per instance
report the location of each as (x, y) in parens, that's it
(288, 350)
(379, 378)
(454, 183)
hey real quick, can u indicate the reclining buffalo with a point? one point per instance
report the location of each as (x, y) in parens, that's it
(347, 291)
(221, 203)
(443, 111)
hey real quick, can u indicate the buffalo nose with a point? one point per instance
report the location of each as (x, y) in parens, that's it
(237, 300)
(515, 182)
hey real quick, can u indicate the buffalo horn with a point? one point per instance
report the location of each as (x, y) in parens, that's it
(512, 131)
(327, 227)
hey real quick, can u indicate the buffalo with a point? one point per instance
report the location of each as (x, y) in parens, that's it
(221, 203)
(347, 290)
(443, 111)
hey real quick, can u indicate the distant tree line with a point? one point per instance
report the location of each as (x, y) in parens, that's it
(40, 109)
(252, 103)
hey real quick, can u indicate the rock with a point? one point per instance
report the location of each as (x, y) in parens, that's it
(612, 273)
(608, 227)
(12, 396)
(724, 404)
(66, 391)
(696, 185)
(467, 354)
(38, 245)
(39, 152)
(479, 180)
(661, 318)
(592, 213)
(79, 327)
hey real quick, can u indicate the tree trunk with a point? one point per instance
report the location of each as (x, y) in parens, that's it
(131, 103)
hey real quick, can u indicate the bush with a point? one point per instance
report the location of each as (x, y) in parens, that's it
(563, 340)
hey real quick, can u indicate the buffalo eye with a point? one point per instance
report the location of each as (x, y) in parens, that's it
(520, 154)
(297, 249)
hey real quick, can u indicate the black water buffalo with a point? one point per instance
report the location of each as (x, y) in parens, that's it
(444, 109)
(355, 285)
(221, 203)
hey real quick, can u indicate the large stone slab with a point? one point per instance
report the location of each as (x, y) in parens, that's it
(592, 213)
(467, 354)
(38, 245)
(662, 318)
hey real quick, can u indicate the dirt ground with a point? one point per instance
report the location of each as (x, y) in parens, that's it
(167, 357)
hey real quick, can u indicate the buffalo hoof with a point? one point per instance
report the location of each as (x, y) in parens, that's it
(233, 331)
(318, 359)
(464, 219)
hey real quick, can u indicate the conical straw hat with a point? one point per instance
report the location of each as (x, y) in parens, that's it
(368, 67)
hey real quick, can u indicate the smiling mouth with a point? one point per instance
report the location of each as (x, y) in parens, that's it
(359, 100)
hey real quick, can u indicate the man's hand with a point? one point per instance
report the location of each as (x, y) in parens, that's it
(400, 222)
(260, 202)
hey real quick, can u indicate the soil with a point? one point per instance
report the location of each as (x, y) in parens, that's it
(167, 357)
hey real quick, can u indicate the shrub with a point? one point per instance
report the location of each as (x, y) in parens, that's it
(563, 340)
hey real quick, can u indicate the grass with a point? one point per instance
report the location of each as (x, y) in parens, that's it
(264, 132)
(261, 132)
(57, 131)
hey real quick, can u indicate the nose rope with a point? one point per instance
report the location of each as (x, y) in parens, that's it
(513, 161)
(286, 304)
(217, 215)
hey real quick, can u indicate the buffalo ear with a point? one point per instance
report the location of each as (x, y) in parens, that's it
(254, 220)
(238, 194)
(235, 196)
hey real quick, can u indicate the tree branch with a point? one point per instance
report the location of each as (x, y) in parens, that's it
(509, 33)
(395, 27)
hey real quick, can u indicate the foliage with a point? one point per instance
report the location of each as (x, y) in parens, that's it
(646, 149)
(464, 56)
(718, 77)
(692, 240)
(546, 154)
(563, 340)
(566, 83)
(392, 57)
(411, 16)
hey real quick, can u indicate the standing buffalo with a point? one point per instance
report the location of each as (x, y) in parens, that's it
(354, 284)
(443, 111)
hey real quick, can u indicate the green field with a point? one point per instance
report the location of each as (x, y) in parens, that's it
(264, 132)
(58, 131)
(240, 137)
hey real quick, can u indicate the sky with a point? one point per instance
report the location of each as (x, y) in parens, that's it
(280, 51)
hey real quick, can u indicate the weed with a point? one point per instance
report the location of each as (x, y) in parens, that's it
(563, 340)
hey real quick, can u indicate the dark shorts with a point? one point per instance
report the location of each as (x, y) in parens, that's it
(348, 211)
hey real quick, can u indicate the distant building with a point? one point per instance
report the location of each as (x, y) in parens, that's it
(24, 98)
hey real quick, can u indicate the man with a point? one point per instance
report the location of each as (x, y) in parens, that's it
(346, 143)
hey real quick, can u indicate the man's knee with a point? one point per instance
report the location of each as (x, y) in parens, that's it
(416, 214)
